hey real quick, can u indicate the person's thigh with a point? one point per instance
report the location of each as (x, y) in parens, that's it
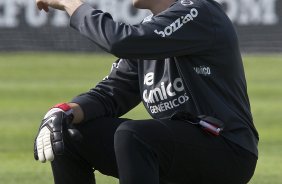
(97, 144)
(204, 158)
(186, 154)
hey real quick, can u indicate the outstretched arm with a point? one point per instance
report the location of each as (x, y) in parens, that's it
(177, 31)
(67, 5)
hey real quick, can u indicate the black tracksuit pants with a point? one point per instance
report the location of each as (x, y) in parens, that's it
(151, 152)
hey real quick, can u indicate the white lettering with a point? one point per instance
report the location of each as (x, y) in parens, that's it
(251, 12)
(166, 104)
(178, 85)
(270, 16)
(194, 12)
(168, 30)
(8, 17)
(161, 107)
(174, 102)
(181, 99)
(163, 90)
(121, 10)
(157, 94)
(60, 19)
(178, 23)
(242, 12)
(149, 79)
(169, 90)
(203, 70)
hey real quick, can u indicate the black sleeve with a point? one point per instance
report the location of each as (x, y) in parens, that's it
(179, 30)
(115, 95)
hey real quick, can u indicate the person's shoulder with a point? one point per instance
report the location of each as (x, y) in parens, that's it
(184, 6)
(194, 8)
(186, 10)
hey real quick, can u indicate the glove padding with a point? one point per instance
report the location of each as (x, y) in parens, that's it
(49, 141)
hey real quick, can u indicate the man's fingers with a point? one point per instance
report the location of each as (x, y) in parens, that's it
(39, 145)
(44, 145)
(46, 8)
(47, 145)
(41, 5)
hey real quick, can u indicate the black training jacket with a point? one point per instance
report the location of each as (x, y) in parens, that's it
(184, 58)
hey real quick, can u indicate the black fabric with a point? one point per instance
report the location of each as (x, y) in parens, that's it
(152, 152)
(196, 38)
(113, 96)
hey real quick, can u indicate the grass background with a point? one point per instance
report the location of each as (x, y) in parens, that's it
(30, 83)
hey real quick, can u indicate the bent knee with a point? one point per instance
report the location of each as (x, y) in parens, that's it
(124, 133)
(129, 125)
(127, 135)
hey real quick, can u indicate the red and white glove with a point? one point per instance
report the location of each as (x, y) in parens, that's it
(49, 140)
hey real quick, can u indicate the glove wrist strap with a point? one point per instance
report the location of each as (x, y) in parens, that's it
(64, 107)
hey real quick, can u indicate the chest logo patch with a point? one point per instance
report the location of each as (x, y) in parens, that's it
(165, 96)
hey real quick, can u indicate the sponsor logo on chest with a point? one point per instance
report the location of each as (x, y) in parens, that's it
(178, 23)
(166, 96)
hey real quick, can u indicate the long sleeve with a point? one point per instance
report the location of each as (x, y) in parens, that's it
(179, 30)
(115, 95)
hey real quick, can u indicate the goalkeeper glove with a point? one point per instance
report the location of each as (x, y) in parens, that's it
(49, 141)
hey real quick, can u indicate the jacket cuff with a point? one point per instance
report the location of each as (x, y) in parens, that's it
(92, 108)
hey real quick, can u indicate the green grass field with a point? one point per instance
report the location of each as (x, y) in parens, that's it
(30, 83)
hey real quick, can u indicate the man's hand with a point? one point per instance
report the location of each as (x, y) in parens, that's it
(44, 4)
(66, 5)
(49, 141)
